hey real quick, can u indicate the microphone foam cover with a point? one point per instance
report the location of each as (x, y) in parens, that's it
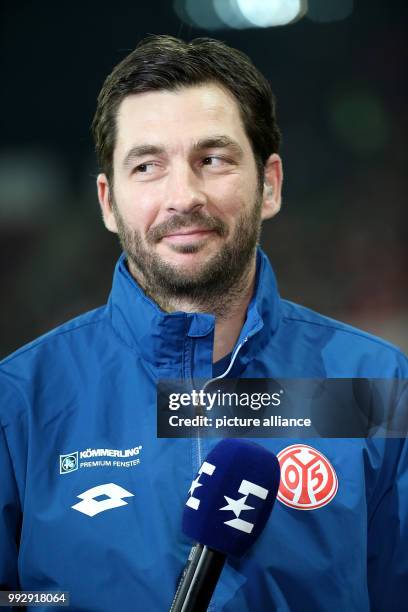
(237, 487)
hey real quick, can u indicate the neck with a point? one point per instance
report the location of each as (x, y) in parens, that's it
(229, 309)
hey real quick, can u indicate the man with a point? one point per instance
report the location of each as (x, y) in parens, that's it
(91, 500)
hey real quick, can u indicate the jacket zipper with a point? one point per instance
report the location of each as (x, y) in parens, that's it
(233, 358)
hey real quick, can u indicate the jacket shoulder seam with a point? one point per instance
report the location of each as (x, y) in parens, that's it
(47, 338)
(347, 330)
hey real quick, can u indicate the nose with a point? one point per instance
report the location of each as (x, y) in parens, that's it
(184, 190)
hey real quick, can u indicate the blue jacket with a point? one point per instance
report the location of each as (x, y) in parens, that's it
(78, 418)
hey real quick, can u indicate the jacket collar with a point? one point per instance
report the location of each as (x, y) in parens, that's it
(160, 337)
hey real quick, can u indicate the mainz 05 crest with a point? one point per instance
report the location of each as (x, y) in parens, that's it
(308, 480)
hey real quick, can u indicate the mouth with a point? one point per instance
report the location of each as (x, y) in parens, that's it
(188, 235)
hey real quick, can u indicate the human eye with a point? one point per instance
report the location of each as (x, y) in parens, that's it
(148, 170)
(214, 161)
(145, 168)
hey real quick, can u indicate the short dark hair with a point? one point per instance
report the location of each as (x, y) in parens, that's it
(167, 63)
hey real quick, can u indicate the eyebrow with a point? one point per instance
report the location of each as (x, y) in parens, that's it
(211, 142)
(139, 151)
(218, 142)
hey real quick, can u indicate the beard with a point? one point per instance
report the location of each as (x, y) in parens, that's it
(211, 286)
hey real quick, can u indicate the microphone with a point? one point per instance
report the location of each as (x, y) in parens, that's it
(229, 502)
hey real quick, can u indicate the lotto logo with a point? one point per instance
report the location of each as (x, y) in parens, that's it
(308, 480)
(111, 496)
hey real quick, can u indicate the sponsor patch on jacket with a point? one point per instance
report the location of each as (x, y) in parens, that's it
(99, 457)
(110, 496)
(308, 479)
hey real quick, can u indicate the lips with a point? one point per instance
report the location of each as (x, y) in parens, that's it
(194, 226)
(188, 234)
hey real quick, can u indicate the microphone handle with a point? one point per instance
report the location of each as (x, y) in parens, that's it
(200, 579)
(186, 577)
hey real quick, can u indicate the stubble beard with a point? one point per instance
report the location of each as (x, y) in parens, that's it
(212, 287)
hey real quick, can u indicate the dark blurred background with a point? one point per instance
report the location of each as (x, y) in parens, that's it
(339, 245)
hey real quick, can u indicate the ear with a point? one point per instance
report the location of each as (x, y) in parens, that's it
(272, 191)
(105, 202)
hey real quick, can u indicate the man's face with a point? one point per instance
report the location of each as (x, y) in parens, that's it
(187, 201)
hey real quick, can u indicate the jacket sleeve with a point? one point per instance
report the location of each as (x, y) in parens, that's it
(388, 536)
(10, 521)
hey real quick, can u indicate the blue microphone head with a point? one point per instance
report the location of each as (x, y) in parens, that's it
(232, 496)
